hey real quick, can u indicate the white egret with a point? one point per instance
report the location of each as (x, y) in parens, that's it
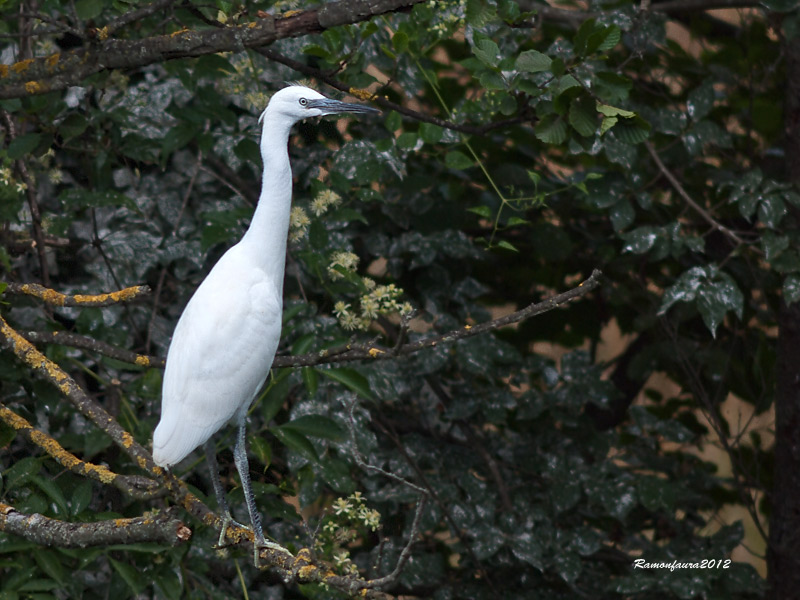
(226, 338)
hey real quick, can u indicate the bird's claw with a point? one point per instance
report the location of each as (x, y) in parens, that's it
(227, 521)
(265, 544)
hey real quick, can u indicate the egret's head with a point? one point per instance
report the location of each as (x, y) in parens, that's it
(296, 103)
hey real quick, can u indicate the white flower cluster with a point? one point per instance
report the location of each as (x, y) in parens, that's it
(325, 199)
(298, 223)
(351, 513)
(451, 14)
(379, 300)
(344, 260)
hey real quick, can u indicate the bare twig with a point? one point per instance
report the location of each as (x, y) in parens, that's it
(362, 462)
(688, 199)
(33, 203)
(405, 554)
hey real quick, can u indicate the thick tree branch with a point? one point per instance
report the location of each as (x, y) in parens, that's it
(162, 528)
(133, 485)
(59, 71)
(575, 17)
(301, 567)
(55, 298)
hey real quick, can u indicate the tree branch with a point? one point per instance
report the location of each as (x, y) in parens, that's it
(55, 298)
(133, 485)
(383, 102)
(688, 199)
(162, 528)
(59, 71)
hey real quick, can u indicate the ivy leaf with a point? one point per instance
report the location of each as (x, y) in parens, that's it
(700, 101)
(791, 288)
(23, 145)
(317, 426)
(351, 379)
(640, 240)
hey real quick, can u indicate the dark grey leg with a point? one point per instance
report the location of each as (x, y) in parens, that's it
(219, 491)
(240, 457)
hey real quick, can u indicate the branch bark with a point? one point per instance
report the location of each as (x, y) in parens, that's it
(61, 70)
(783, 551)
(162, 528)
(347, 353)
(55, 298)
(133, 485)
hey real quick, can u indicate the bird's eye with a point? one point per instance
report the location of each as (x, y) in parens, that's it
(303, 102)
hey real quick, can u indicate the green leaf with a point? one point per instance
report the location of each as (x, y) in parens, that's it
(773, 244)
(351, 379)
(317, 426)
(457, 160)
(582, 115)
(791, 288)
(479, 12)
(507, 245)
(49, 562)
(81, 498)
(262, 449)
(430, 133)
(613, 111)
(487, 52)
(551, 129)
(407, 140)
(700, 101)
(483, 211)
(131, 575)
(52, 491)
(610, 37)
(400, 41)
(533, 61)
(296, 442)
(655, 493)
(72, 126)
(640, 240)
(89, 9)
(275, 394)
(310, 380)
(21, 472)
(23, 145)
(632, 131)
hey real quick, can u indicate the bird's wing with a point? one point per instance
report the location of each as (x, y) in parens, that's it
(220, 355)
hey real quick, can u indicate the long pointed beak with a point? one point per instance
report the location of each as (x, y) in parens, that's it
(329, 106)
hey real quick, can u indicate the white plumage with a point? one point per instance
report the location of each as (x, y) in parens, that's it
(226, 338)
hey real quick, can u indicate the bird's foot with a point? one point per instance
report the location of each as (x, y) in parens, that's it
(265, 544)
(227, 521)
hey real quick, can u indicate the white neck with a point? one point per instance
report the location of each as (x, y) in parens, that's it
(266, 237)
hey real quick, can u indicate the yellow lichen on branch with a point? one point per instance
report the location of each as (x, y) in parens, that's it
(54, 449)
(361, 94)
(33, 87)
(21, 66)
(55, 298)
